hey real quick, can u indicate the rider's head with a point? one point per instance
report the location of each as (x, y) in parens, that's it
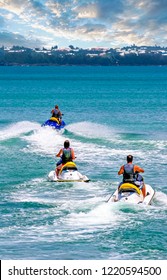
(56, 107)
(129, 158)
(66, 144)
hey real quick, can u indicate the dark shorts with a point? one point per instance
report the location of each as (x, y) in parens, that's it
(59, 162)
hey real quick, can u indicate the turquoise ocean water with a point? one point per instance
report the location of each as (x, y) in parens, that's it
(110, 112)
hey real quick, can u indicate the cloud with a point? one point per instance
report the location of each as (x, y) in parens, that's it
(89, 32)
(10, 39)
(2, 22)
(109, 10)
(15, 6)
(88, 11)
(115, 22)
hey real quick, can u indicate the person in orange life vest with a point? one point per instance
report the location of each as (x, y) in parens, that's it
(130, 173)
(56, 113)
(66, 154)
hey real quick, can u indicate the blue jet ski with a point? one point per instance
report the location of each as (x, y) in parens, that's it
(54, 123)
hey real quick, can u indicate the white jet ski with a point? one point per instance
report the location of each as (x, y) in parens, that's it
(131, 193)
(68, 173)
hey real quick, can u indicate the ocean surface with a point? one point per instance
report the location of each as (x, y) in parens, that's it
(110, 112)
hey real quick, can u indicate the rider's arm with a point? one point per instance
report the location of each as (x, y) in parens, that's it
(72, 154)
(60, 113)
(59, 153)
(121, 171)
(138, 169)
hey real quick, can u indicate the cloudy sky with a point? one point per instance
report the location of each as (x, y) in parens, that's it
(83, 23)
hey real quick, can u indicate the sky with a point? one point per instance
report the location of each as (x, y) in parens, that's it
(83, 23)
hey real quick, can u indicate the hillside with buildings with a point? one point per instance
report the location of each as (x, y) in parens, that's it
(130, 55)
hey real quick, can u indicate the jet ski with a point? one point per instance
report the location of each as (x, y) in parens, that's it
(68, 173)
(130, 193)
(54, 123)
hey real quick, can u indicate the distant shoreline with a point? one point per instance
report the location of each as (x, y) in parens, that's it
(127, 56)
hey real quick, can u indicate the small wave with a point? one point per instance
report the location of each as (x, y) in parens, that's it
(103, 214)
(17, 129)
(44, 140)
(91, 130)
(160, 199)
(47, 141)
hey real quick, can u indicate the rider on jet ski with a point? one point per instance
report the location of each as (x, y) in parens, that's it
(130, 173)
(56, 113)
(66, 154)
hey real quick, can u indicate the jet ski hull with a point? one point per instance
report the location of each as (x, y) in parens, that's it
(71, 176)
(68, 173)
(53, 122)
(132, 195)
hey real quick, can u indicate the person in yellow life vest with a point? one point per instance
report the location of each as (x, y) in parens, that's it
(131, 174)
(66, 154)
